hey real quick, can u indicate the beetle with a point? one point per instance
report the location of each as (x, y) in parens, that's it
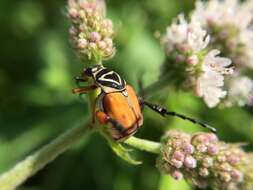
(118, 105)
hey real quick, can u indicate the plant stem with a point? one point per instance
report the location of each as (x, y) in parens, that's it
(33, 163)
(145, 145)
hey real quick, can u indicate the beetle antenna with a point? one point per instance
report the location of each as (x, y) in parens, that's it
(162, 111)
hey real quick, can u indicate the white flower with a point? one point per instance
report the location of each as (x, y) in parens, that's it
(220, 13)
(216, 63)
(176, 33)
(209, 84)
(187, 37)
(197, 37)
(241, 90)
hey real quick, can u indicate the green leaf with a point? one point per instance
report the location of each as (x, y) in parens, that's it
(118, 149)
(122, 152)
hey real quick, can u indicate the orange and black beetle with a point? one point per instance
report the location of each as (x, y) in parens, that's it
(118, 104)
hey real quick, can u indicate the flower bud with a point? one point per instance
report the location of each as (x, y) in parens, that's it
(217, 167)
(177, 175)
(91, 33)
(190, 162)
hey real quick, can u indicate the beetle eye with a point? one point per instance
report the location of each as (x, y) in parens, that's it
(88, 72)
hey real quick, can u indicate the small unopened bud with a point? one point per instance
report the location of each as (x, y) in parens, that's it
(202, 148)
(93, 45)
(177, 175)
(225, 176)
(203, 172)
(94, 37)
(207, 162)
(108, 42)
(102, 45)
(82, 43)
(233, 159)
(73, 13)
(178, 155)
(237, 175)
(176, 163)
(212, 149)
(190, 162)
(188, 148)
(192, 60)
(225, 167)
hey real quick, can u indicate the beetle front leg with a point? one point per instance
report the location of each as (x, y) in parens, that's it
(80, 79)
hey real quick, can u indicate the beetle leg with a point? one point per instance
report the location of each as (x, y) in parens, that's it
(84, 89)
(80, 79)
(162, 111)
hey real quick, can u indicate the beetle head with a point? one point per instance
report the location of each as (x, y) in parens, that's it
(91, 71)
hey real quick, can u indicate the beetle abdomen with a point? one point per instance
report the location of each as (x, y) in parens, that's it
(125, 110)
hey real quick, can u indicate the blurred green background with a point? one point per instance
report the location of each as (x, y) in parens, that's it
(36, 76)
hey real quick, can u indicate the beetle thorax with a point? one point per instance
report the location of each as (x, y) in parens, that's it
(109, 81)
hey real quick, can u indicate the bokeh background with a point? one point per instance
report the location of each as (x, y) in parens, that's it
(37, 67)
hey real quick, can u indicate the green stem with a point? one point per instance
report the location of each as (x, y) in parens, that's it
(33, 163)
(144, 145)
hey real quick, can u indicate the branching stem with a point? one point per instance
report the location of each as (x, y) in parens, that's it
(39, 159)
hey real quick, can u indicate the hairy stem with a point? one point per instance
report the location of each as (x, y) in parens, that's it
(33, 163)
(144, 145)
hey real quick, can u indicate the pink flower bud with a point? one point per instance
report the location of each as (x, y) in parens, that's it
(108, 51)
(225, 176)
(192, 60)
(237, 175)
(72, 31)
(222, 158)
(73, 13)
(82, 43)
(108, 42)
(225, 167)
(190, 162)
(188, 148)
(203, 172)
(177, 175)
(212, 137)
(201, 139)
(201, 148)
(177, 144)
(95, 37)
(107, 23)
(101, 44)
(233, 159)
(180, 58)
(178, 155)
(207, 162)
(176, 163)
(93, 45)
(212, 149)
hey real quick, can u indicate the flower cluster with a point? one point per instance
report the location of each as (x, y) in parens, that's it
(203, 69)
(206, 161)
(229, 23)
(91, 33)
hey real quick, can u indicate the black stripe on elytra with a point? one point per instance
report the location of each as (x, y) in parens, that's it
(102, 72)
(113, 76)
(111, 84)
